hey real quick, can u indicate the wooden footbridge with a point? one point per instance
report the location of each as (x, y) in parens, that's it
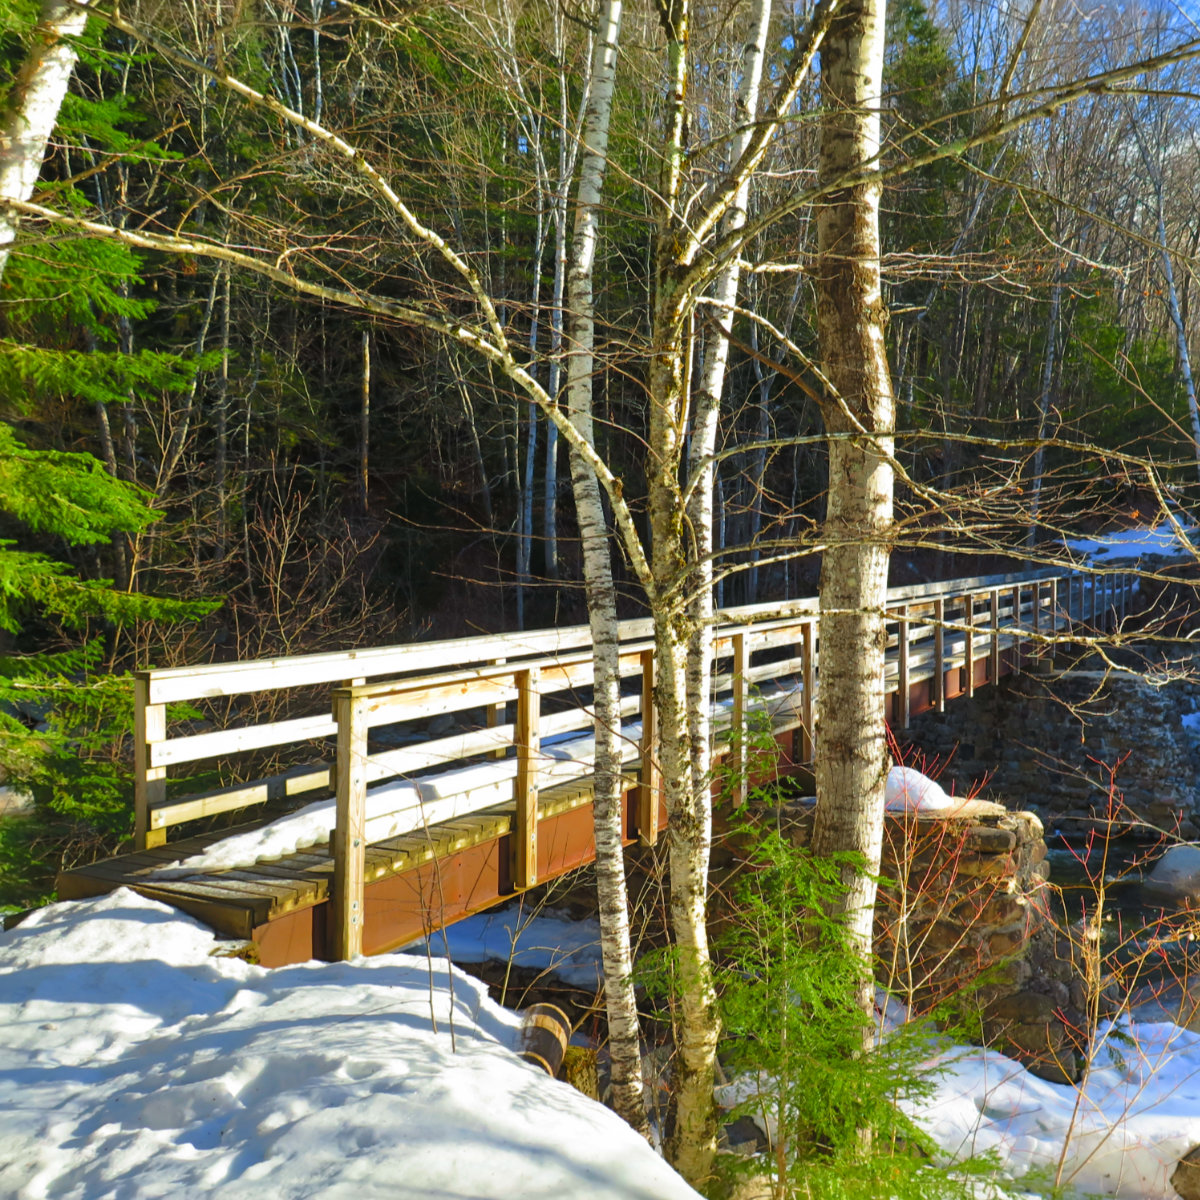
(462, 769)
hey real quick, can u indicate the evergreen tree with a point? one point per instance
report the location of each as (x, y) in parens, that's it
(63, 711)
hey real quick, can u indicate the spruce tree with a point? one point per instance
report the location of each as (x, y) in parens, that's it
(64, 711)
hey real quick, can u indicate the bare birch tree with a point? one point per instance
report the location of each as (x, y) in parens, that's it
(612, 894)
(860, 417)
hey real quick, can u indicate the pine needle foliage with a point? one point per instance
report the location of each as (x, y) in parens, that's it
(64, 718)
(69, 309)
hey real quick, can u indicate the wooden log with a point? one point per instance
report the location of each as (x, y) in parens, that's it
(149, 782)
(545, 1032)
(525, 788)
(649, 783)
(349, 841)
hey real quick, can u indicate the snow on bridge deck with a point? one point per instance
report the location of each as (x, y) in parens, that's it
(418, 834)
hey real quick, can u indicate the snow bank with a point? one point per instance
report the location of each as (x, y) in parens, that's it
(1137, 543)
(1120, 1135)
(134, 1064)
(1123, 1133)
(909, 791)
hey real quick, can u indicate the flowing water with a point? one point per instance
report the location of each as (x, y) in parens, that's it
(1149, 946)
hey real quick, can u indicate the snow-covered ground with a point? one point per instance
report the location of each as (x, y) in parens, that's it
(1121, 1135)
(1168, 538)
(134, 1064)
(545, 941)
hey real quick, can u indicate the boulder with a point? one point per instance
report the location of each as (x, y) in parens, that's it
(1186, 1179)
(1176, 875)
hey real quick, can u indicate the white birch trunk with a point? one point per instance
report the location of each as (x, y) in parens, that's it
(1155, 171)
(852, 756)
(692, 1145)
(31, 108)
(707, 409)
(621, 1005)
(1039, 455)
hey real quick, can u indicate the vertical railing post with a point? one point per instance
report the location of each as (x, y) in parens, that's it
(939, 653)
(1036, 621)
(527, 739)
(903, 710)
(648, 783)
(809, 683)
(1053, 616)
(350, 832)
(1016, 629)
(737, 730)
(149, 783)
(495, 715)
(994, 603)
(969, 644)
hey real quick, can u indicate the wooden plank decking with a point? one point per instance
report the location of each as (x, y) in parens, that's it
(283, 905)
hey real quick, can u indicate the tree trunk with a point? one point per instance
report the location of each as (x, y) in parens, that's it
(852, 758)
(692, 1145)
(1181, 341)
(706, 414)
(621, 1005)
(32, 105)
(1047, 392)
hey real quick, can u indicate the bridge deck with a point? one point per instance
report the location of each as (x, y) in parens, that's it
(441, 870)
(283, 905)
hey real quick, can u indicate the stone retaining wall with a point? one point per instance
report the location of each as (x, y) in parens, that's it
(964, 926)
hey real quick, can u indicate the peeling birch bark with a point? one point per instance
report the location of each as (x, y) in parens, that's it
(852, 756)
(32, 107)
(624, 1033)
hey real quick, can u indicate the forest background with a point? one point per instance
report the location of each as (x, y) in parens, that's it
(289, 372)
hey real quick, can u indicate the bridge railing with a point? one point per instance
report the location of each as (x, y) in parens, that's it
(528, 704)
